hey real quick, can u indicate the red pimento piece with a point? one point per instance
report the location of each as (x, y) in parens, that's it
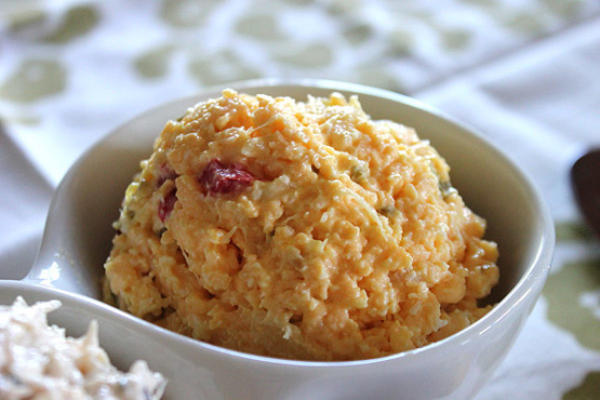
(164, 174)
(220, 178)
(165, 206)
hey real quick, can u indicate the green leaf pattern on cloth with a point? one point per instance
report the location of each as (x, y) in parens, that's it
(220, 67)
(77, 21)
(154, 62)
(357, 33)
(573, 231)
(573, 295)
(566, 8)
(525, 23)
(588, 390)
(455, 39)
(26, 20)
(34, 79)
(186, 13)
(259, 27)
(314, 55)
(400, 43)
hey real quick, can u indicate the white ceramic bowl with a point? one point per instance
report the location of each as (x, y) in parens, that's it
(77, 241)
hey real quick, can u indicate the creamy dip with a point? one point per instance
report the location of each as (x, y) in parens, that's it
(37, 361)
(302, 230)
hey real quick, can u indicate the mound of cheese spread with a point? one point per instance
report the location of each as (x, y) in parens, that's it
(300, 230)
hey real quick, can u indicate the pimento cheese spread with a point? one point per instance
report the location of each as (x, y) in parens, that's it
(300, 230)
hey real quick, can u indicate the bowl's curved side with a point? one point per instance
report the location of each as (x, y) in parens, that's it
(78, 230)
(208, 372)
(89, 196)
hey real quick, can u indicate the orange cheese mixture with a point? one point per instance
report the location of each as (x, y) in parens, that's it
(298, 230)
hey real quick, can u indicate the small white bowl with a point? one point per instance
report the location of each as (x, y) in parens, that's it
(78, 234)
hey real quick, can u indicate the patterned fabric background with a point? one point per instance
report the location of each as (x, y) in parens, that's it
(78, 68)
(520, 70)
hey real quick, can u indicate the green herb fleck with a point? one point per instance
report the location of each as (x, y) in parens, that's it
(388, 211)
(129, 214)
(296, 318)
(357, 173)
(446, 188)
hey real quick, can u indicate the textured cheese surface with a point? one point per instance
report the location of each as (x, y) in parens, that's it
(344, 239)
